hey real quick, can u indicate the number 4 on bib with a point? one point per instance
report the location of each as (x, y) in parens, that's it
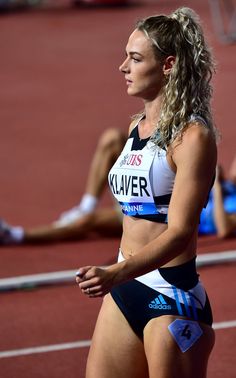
(185, 333)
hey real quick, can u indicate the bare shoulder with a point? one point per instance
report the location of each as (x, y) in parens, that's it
(196, 141)
(198, 132)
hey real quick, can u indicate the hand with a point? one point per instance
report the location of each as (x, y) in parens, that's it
(95, 281)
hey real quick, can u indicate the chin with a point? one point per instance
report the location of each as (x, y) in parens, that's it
(133, 93)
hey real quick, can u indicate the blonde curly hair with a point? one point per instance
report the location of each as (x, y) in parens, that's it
(187, 89)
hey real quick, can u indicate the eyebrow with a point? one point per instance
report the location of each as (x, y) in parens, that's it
(134, 53)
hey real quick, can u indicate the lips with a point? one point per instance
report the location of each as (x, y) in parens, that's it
(128, 82)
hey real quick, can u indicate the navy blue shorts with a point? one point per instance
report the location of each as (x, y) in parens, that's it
(164, 291)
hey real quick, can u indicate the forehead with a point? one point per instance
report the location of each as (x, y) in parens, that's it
(138, 42)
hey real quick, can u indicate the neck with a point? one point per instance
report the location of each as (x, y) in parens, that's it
(152, 113)
(153, 107)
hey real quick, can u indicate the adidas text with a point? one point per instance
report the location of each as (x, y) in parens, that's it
(159, 306)
(159, 303)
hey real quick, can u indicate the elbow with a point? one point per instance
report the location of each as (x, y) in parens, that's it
(223, 230)
(223, 234)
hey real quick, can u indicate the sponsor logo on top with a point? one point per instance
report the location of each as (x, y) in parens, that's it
(131, 159)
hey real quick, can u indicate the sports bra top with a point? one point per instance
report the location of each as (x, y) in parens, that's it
(141, 179)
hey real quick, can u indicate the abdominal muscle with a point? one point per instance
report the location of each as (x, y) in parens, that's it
(137, 233)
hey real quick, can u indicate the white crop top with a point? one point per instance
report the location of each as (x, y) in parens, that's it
(141, 179)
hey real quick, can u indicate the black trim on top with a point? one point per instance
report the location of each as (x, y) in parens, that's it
(138, 144)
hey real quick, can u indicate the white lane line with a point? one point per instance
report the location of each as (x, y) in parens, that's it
(214, 258)
(80, 344)
(45, 349)
(222, 325)
(30, 281)
(53, 278)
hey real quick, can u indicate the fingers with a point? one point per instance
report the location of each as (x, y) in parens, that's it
(91, 281)
(90, 286)
(89, 273)
(93, 292)
(86, 278)
(81, 273)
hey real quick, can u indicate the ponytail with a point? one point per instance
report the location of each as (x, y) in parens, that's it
(187, 90)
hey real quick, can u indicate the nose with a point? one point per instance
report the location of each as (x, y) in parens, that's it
(124, 66)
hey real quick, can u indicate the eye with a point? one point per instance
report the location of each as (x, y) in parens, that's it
(136, 60)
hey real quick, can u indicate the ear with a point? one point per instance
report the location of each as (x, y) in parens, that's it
(168, 64)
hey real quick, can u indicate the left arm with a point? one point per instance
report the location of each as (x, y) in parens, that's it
(195, 159)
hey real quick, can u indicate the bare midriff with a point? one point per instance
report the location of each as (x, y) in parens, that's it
(137, 233)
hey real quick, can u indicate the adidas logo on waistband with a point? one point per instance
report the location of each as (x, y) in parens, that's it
(159, 303)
